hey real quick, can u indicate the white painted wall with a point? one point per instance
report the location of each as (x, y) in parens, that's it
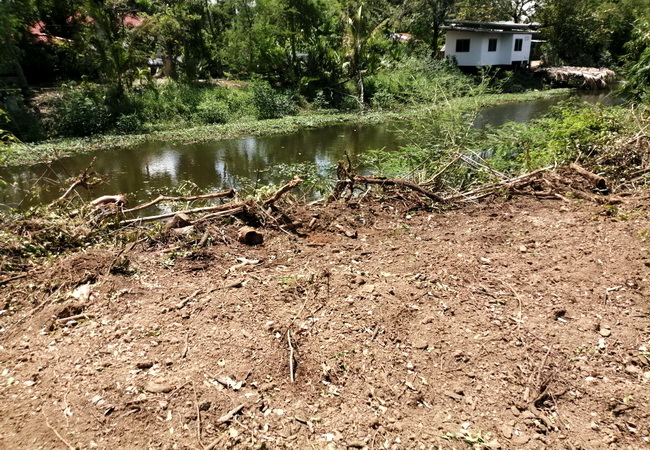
(478, 54)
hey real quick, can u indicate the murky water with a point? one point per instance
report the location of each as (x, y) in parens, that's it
(151, 168)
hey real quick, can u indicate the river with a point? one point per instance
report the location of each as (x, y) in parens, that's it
(152, 168)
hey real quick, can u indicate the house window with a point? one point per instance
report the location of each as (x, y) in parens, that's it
(492, 45)
(519, 43)
(462, 45)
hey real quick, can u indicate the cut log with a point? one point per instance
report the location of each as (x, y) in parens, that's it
(597, 181)
(250, 236)
(180, 220)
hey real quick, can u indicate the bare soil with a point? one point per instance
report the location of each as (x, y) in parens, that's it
(511, 324)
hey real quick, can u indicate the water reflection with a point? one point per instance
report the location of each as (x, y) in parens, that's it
(151, 168)
(155, 167)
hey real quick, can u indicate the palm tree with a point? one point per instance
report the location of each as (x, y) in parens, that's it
(359, 34)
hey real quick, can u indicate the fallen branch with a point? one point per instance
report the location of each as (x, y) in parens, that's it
(490, 189)
(163, 198)
(283, 190)
(82, 180)
(399, 182)
(119, 200)
(14, 278)
(224, 210)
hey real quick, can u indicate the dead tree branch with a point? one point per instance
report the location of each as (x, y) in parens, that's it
(163, 198)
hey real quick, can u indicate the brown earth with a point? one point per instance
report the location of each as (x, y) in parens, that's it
(513, 324)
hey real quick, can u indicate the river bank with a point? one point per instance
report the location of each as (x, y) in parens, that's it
(382, 323)
(25, 154)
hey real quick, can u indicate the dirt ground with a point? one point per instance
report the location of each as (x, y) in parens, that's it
(511, 324)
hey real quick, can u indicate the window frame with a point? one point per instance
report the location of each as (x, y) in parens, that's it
(463, 45)
(492, 44)
(519, 44)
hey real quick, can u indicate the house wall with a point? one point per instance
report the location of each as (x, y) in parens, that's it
(478, 54)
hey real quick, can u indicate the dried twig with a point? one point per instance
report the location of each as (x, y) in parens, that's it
(47, 422)
(198, 416)
(82, 180)
(186, 348)
(229, 415)
(291, 358)
(14, 278)
(75, 317)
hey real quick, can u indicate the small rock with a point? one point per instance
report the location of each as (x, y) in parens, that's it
(506, 431)
(528, 415)
(605, 332)
(421, 344)
(158, 388)
(143, 365)
(515, 411)
(265, 387)
(368, 288)
(523, 249)
(521, 439)
(632, 370)
(356, 444)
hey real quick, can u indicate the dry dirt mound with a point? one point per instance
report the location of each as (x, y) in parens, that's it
(520, 324)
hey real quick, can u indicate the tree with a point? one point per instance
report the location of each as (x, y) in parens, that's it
(517, 11)
(574, 31)
(637, 70)
(427, 18)
(360, 31)
(14, 15)
(115, 43)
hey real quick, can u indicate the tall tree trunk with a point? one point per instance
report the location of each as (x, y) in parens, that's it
(436, 36)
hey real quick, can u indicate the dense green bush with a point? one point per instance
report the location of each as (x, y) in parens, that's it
(269, 103)
(213, 111)
(80, 111)
(571, 131)
(128, 123)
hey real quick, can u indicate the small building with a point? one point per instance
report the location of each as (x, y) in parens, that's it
(475, 44)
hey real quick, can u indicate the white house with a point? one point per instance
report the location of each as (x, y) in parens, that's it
(489, 43)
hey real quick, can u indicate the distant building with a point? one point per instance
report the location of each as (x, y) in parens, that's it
(475, 44)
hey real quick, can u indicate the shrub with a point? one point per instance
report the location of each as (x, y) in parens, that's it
(80, 111)
(270, 104)
(416, 80)
(213, 111)
(128, 123)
